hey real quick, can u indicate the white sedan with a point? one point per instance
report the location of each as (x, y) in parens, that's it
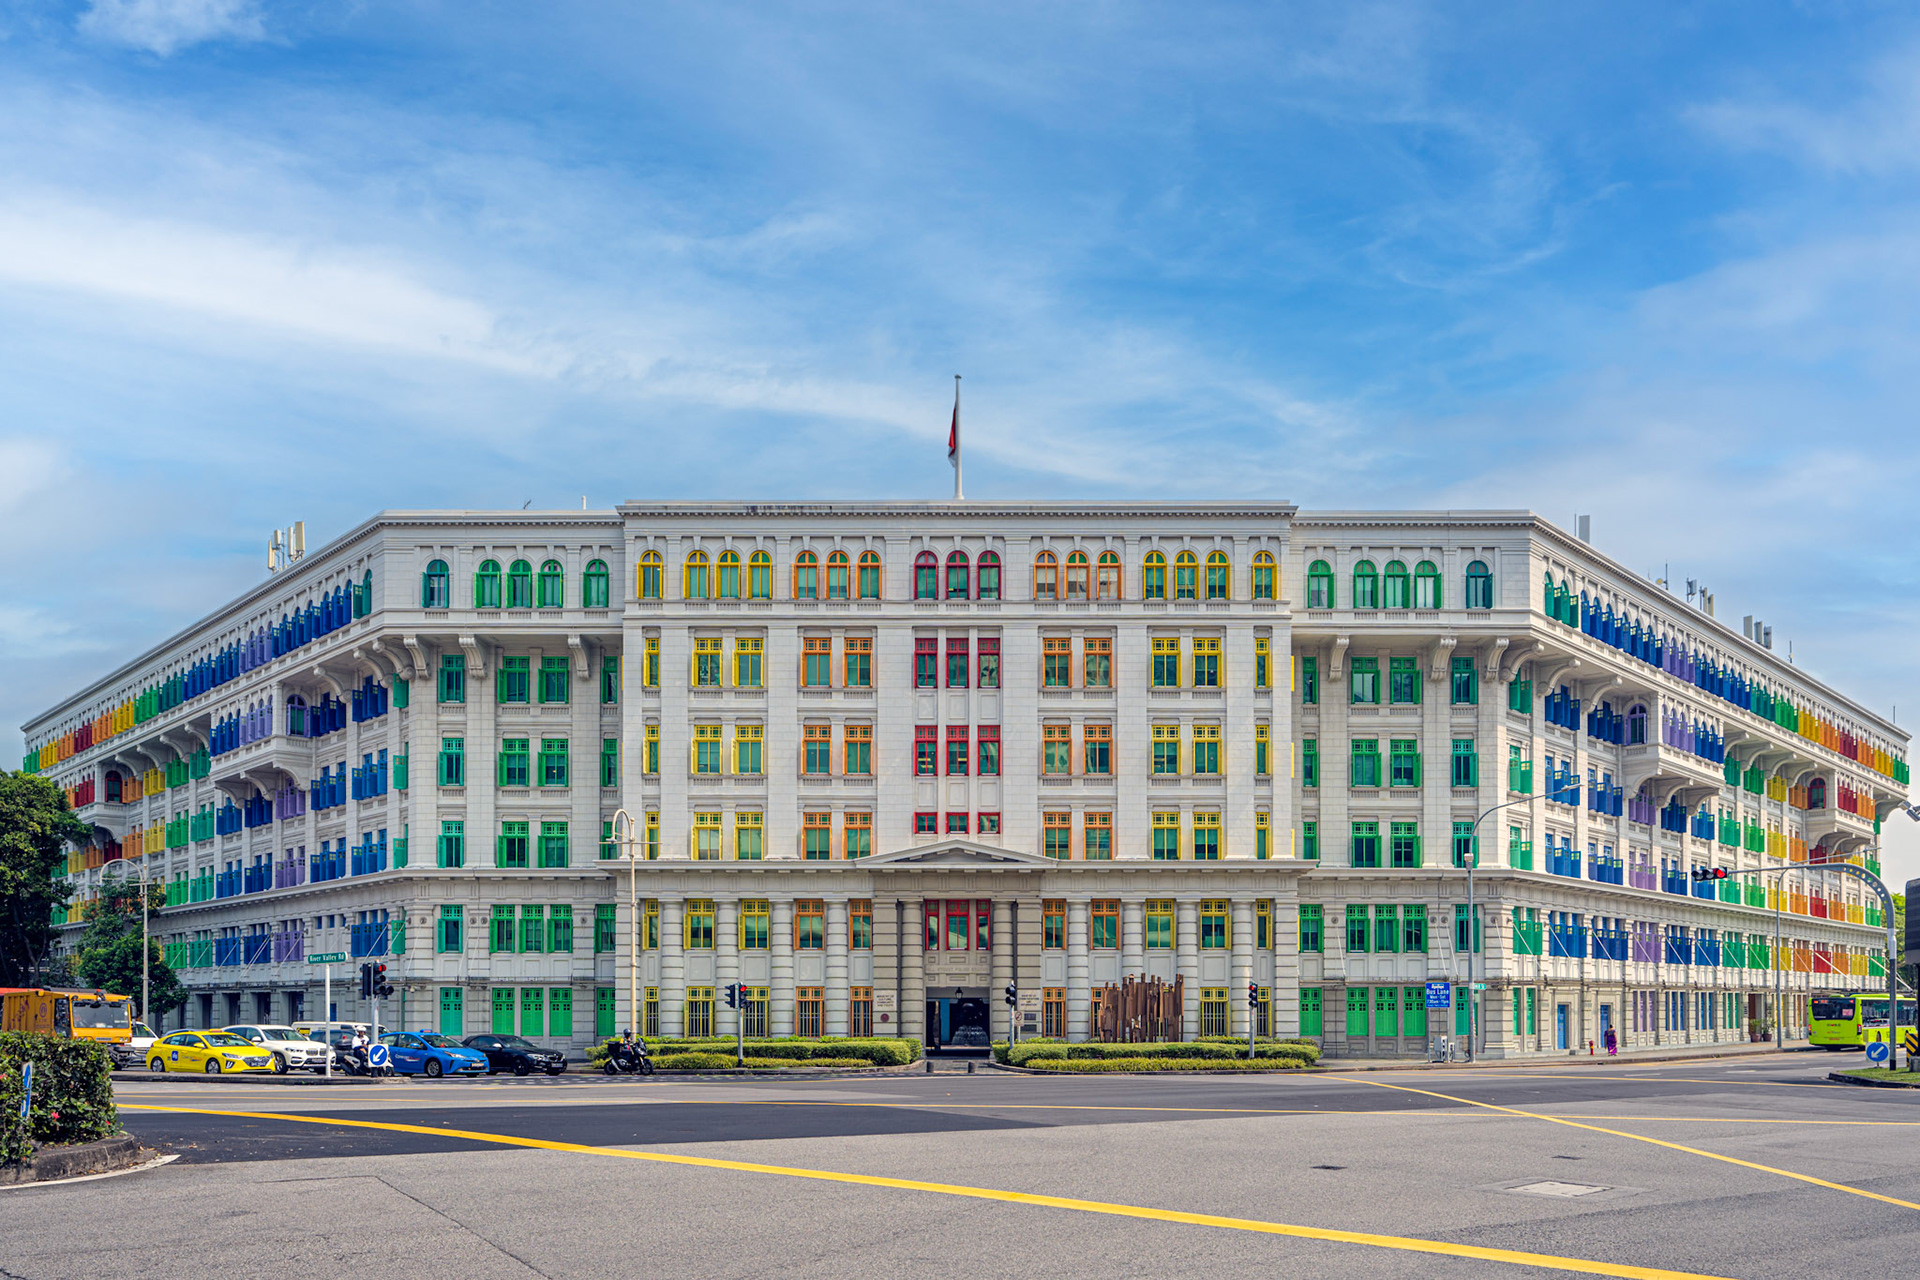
(290, 1049)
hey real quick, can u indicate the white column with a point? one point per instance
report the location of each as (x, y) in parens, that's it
(726, 962)
(1079, 994)
(1187, 950)
(837, 996)
(673, 968)
(999, 1017)
(913, 984)
(1239, 1015)
(780, 992)
(1133, 936)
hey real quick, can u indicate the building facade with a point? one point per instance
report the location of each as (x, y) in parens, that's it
(564, 773)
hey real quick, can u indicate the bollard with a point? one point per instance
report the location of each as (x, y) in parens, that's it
(969, 1068)
(1589, 1048)
(929, 1062)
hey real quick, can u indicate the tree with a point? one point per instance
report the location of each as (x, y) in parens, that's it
(109, 951)
(35, 825)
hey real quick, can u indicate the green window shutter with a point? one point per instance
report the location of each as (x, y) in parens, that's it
(533, 1011)
(603, 1013)
(503, 1011)
(453, 1018)
(560, 1011)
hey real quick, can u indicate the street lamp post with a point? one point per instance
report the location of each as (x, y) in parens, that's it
(145, 946)
(623, 822)
(1472, 858)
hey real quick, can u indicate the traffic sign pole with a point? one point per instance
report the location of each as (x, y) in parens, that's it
(326, 960)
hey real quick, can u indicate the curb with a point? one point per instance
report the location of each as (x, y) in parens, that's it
(1841, 1077)
(289, 1080)
(87, 1158)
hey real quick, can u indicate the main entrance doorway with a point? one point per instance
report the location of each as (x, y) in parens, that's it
(958, 1019)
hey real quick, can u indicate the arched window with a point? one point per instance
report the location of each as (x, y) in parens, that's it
(1319, 585)
(1153, 577)
(839, 577)
(1637, 724)
(593, 585)
(806, 576)
(519, 585)
(363, 598)
(697, 577)
(1366, 586)
(296, 717)
(1426, 585)
(486, 585)
(726, 576)
(1106, 576)
(434, 586)
(1479, 585)
(869, 567)
(926, 576)
(647, 576)
(989, 577)
(1219, 576)
(1079, 576)
(1266, 577)
(760, 576)
(553, 585)
(1551, 603)
(1817, 794)
(1186, 576)
(1397, 587)
(1046, 577)
(113, 786)
(957, 575)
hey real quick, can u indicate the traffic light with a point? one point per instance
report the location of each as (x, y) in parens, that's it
(733, 995)
(380, 987)
(1253, 996)
(366, 982)
(1013, 997)
(1720, 873)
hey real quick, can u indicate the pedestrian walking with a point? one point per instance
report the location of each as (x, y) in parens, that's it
(1613, 1043)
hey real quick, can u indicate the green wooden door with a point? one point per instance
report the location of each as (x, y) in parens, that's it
(560, 1011)
(532, 1011)
(503, 1011)
(1357, 1012)
(603, 1013)
(1413, 1000)
(452, 1012)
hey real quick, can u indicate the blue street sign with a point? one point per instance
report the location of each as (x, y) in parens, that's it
(26, 1082)
(1877, 1051)
(1439, 995)
(377, 1055)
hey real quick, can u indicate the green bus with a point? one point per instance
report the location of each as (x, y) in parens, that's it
(1836, 1020)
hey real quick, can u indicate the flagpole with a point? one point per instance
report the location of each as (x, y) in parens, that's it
(956, 438)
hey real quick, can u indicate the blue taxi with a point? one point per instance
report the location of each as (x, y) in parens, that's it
(426, 1053)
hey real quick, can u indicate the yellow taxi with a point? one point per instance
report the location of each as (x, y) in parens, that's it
(208, 1051)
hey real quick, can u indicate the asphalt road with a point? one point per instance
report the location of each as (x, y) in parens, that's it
(1753, 1167)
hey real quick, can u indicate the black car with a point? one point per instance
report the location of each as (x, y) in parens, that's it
(522, 1057)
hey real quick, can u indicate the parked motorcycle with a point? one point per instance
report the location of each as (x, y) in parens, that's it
(628, 1059)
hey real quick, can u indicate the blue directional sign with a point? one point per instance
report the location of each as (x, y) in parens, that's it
(26, 1083)
(377, 1055)
(1877, 1052)
(1439, 995)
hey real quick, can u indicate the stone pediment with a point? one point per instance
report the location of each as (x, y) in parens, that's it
(958, 855)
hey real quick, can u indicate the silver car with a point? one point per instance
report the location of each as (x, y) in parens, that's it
(290, 1049)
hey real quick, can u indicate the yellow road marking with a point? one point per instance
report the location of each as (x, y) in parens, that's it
(1408, 1244)
(1658, 1142)
(1527, 1074)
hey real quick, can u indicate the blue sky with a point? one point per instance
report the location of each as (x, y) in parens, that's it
(262, 262)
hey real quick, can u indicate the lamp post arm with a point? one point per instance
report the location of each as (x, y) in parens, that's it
(1474, 1019)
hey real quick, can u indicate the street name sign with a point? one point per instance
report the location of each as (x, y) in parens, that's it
(329, 957)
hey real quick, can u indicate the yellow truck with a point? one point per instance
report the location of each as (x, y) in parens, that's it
(78, 1015)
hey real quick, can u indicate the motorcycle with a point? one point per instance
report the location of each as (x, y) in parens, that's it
(354, 1063)
(628, 1059)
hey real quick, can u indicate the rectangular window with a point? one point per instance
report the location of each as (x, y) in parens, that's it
(1097, 837)
(1206, 749)
(959, 751)
(816, 749)
(1310, 841)
(1309, 762)
(857, 743)
(1104, 924)
(959, 925)
(1097, 750)
(1166, 749)
(926, 663)
(604, 923)
(1098, 665)
(1206, 663)
(1166, 837)
(1403, 762)
(857, 832)
(816, 662)
(1364, 768)
(756, 925)
(1262, 750)
(512, 851)
(747, 654)
(1413, 930)
(699, 925)
(926, 755)
(1053, 1012)
(1460, 929)
(453, 677)
(706, 662)
(706, 837)
(748, 834)
(1056, 662)
(1404, 843)
(1262, 664)
(809, 925)
(453, 762)
(515, 762)
(747, 742)
(650, 666)
(699, 1015)
(610, 680)
(988, 824)
(516, 674)
(553, 844)
(816, 836)
(610, 762)
(1403, 681)
(860, 1012)
(1159, 915)
(1056, 749)
(1213, 1011)
(1309, 682)
(706, 749)
(857, 662)
(533, 928)
(1363, 682)
(447, 938)
(1465, 769)
(500, 935)
(1053, 924)
(650, 765)
(553, 680)
(1263, 925)
(1366, 844)
(959, 659)
(1466, 683)
(1465, 844)
(860, 924)
(989, 657)
(1206, 837)
(1311, 935)
(553, 762)
(1166, 662)
(1262, 834)
(1056, 835)
(1386, 929)
(560, 930)
(1357, 930)
(989, 751)
(653, 837)
(1214, 932)
(652, 1017)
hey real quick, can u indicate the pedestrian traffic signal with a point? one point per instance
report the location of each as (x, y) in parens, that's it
(1013, 997)
(366, 982)
(1253, 996)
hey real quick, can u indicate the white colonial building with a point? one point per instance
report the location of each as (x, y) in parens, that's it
(884, 761)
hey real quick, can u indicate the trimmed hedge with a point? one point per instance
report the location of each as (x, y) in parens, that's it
(1094, 1066)
(72, 1093)
(861, 1053)
(1043, 1053)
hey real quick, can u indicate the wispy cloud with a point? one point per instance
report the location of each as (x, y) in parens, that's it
(167, 26)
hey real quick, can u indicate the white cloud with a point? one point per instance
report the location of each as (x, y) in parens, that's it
(165, 26)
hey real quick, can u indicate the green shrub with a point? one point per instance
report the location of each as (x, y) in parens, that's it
(872, 1052)
(1224, 1052)
(1136, 1062)
(1307, 1054)
(693, 1061)
(773, 1064)
(72, 1093)
(1027, 1050)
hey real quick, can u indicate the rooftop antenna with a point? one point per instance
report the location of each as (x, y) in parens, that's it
(526, 504)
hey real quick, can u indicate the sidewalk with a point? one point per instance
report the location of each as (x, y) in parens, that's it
(1666, 1053)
